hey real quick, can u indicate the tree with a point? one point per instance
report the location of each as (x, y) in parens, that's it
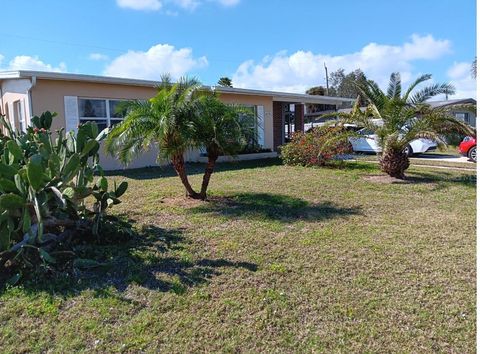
(317, 91)
(164, 120)
(347, 85)
(218, 129)
(179, 117)
(474, 68)
(225, 82)
(398, 118)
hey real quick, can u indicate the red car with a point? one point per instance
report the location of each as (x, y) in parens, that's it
(468, 147)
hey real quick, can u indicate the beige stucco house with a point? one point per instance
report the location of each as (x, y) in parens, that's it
(80, 98)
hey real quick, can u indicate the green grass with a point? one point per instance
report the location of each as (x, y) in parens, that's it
(281, 259)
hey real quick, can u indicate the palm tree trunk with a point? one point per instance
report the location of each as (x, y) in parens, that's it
(394, 163)
(179, 165)
(212, 159)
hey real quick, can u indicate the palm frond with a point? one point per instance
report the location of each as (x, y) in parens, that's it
(431, 91)
(395, 86)
(418, 81)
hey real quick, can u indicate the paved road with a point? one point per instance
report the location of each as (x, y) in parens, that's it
(443, 157)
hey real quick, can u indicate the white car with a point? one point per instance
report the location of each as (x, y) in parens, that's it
(369, 143)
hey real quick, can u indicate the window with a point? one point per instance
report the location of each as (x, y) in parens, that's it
(117, 111)
(105, 113)
(462, 116)
(248, 120)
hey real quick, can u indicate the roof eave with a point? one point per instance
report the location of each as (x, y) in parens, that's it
(277, 96)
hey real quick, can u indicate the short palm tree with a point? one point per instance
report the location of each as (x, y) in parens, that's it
(219, 131)
(180, 117)
(398, 118)
(164, 120)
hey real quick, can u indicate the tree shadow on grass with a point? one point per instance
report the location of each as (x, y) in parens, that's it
(192, 169)
(157, 263)
(442, 179)
(154, 259)
(266, 206)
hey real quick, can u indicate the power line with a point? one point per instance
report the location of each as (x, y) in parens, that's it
(72, 44)
(61, 42)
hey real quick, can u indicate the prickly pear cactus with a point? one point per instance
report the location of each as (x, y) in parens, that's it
(44, 181)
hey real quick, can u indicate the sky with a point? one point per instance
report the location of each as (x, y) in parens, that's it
(260, 44)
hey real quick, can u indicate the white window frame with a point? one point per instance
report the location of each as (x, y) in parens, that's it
(108, 117)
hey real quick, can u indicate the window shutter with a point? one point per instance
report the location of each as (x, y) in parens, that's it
(71, 113)
(261, 125)
(23, 115)
(11, 114)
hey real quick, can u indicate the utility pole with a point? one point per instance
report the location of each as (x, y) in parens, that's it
(326, 75)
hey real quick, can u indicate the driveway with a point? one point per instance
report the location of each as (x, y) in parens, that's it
(443, 157)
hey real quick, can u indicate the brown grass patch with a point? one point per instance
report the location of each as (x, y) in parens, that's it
(385, 179)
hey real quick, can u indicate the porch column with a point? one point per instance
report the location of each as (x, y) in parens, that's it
(299, 114)
(278, 127)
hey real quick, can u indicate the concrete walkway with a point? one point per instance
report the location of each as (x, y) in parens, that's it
(435, 159)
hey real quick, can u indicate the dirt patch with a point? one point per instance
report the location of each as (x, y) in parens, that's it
(182, 201)
(386, 179)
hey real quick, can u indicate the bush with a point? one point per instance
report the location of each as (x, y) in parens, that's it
(45, 184)
(318, 147)
(454, 138)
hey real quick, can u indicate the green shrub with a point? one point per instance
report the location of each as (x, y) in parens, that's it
(44, 185)
(318, 147)
(454, 138)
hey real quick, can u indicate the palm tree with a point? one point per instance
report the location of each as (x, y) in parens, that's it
(180, 117)
(164, 120)
(225, 82)
(219, 131)
(398, 118)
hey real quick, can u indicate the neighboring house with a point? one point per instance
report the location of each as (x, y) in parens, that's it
(465, 115)
(460, 112)
(81, 98)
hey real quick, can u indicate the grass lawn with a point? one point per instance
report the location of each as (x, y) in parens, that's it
(282, 259)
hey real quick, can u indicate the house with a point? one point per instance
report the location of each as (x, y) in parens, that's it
(459, 111)
(81, 98)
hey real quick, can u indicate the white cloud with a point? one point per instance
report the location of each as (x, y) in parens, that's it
(146, 5)
(98, 57)
(155, 5)
(459, 70)
(228, 2)
(461, 76)
(26, 62)
(159, 59)
(187, 4)
(303, 69)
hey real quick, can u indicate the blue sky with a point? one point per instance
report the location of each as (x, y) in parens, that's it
(268, 44)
